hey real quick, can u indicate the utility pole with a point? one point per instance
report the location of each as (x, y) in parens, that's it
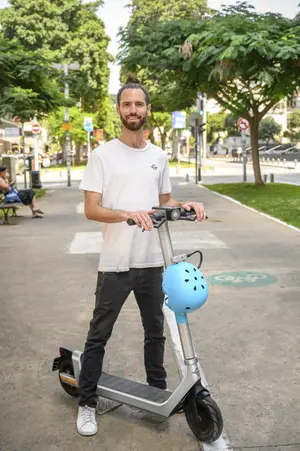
(66, 67)
(67, 120)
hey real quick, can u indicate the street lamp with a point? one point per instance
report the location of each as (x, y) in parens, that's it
(66, 67)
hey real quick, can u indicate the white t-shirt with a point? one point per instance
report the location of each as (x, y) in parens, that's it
(129, 179)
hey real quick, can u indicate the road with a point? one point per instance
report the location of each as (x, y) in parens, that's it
(246, 336)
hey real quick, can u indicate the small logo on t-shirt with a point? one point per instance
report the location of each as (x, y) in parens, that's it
(154, 167)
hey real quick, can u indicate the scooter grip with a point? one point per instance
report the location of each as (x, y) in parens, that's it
(130, 222)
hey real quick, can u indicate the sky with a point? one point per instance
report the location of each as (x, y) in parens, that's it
(115, 14)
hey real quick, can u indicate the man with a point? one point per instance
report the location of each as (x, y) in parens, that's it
(26, 196)
(124, 179)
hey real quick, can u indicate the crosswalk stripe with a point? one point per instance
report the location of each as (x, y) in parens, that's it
(91, 242)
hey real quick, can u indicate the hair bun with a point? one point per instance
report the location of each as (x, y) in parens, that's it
(131, 78)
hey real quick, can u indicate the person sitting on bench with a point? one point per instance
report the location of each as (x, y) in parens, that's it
(26, 196)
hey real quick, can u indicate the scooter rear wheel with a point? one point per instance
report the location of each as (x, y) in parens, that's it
(203, 417)
(66, 366)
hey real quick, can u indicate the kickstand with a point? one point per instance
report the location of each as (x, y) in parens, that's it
(106, 405)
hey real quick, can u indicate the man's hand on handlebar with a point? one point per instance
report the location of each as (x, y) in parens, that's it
(142, 218)
(199, 209)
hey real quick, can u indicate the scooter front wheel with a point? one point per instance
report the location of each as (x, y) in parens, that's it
(203, 417)
(66, 367)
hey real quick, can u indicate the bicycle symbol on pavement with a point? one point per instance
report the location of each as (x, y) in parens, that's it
(242, 279)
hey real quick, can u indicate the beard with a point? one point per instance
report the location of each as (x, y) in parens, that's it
(133, 126)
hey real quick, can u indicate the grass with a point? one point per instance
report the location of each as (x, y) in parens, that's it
(38, 193)
(63, 167)
(279, 200)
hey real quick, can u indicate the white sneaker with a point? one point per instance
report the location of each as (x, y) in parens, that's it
(86, 421)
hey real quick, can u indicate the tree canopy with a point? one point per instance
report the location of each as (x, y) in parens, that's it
(27, 86)
(245, 60)
(64, 31)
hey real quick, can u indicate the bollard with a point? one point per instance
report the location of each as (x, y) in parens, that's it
(271, 178)
(278, 161)
(265, 178)
(268, 160)
(187, 177)
(284, 162)
(295, 164)
(273, 160)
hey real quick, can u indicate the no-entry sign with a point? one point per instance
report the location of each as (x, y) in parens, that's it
(36, 128)
(243, 124)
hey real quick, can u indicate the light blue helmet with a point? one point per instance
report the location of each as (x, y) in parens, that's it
(185, 287)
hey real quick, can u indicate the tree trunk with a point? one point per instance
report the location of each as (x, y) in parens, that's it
(163, 138)
(78, 154)
(255, 153)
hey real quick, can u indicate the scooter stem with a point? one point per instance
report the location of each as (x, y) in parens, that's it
(181, 320)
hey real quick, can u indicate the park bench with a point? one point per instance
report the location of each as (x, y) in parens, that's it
(6, 208)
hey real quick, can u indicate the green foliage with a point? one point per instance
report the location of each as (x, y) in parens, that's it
(145, 12)
(215, 124)
(77, 134)
(27, 87)
(163, 122)
(64, 30)
(108, 119)
(268, 129)
(246, 61)
(230, 123)
(166, 95)
(293, 131)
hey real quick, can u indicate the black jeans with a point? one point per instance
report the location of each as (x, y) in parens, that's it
(112, 291)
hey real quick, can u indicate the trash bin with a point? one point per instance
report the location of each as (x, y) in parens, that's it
(35, 179)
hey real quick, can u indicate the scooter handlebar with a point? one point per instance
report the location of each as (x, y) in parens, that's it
(159, 216)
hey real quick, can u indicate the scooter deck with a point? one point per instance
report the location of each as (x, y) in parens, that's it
(137, 389)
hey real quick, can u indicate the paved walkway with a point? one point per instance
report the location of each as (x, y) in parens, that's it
(246, 337)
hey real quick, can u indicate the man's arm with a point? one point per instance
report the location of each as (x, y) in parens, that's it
(168, 201)
(94, 211)
(4, 185)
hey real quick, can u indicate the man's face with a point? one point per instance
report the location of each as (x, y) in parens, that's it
(4, 174)
(133, 110)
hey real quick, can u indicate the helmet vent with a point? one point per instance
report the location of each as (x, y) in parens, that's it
(187, 280)
(202, 277)
(195, 269)
(187, 271)
(195, 278)
(202, 286)
(195, 288)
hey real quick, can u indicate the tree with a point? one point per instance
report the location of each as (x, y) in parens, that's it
(246, 61)
(27, 87)
(268, 129)
(146, 13)
(215, 125)
(231, 126)
(293, 131)
(64, 30)
(78, 135)
(108, 119)
(163, 123)
(165, 95)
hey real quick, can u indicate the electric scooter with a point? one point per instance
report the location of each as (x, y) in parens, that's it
(202, 413)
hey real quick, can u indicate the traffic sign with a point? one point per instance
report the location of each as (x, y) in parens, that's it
(36, 128)
(88, 124)
(66, 126)
(11, 132)
(243, 124)
(99, 134)
(179, 119)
